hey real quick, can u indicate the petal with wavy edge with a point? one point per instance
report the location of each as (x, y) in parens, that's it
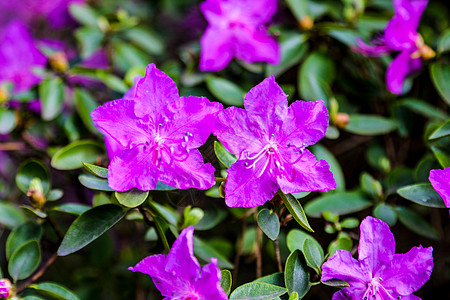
(440, 180)
(216, 49)
(209, 285)
(410, 10)
(399, 68)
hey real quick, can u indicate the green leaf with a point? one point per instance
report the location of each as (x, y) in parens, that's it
(205, 252)
(343, 242)
(299, 8)
(336, 283)
(131, 198)
(257, 291)
(224, 90)
(423, 194)
(424, 108)
(96, 170)
(224, 156)
(386, 213)
(51, 93)
(145, 39)
(90, 39)
(416, 223)
(371, 186)
(293, 296)
(112, 81)
(84, 14)
(89, 226)
(71, 208)
(296, 238)
(313, 254)
(29, 170)
(269, 223)
(94, 183)
(296, 210)
(72, 156)
(226, 281)
(442, 155)
(163, 187)
(323, 153)
(444, 41)
(441, 131)
(338, 203)
(7, 121)
(85, 104)
(55, 194)
(11, 216)
(32, 212)
(192, 215)
(127, 56)
(21, 235)
(440, 75)
(54, 290)
(24, 260)
(296, 276)
(293, 47)
(370, 125)
(211, 218)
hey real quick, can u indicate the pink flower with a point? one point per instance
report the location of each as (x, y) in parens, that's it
(236, 29)
(440, 180)
(5, 287)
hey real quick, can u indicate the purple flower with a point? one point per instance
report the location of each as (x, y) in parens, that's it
(440, 180)
(400, 35)
(269, 138)
(379, 273)
(18, 56)
(159, 133)
(236, 29)
(5, 287)
(178, 275)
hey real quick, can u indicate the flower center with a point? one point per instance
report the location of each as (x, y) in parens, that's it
(375, 290)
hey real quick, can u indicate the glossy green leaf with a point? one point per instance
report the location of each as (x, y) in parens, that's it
(416, 223)
(192, 215)
(73, 155)
(296, 238)
(94, 183)
(442, 155)
(33, 212)
(84, 14)
(10, 215)
(224, 90)
(440, 75)
(371, 186)
(299, 8)
(55, 194)
(211, 218)
(257, 291)
(226, 281)
(293, 47)
(112, 81)
(296, 210)
(7, 120)
(51, 94)
(85, 104)
(71, 208)
(423, 194)
(224, 156)
(163, 187)
(441, 131)
(313, 254)
(96, 170)
(444, 41)
(54, 291)
(24, 260)
(90, 39)
(343, 242)
(145, 39)
(293, 296)
(274, 279)
(269, 223)
(323, 153)
(424, 108)
(89, 226)
(29, 170)
(127, 55)
(296, 274)
(204, 251)
(21, 235)
(132, 198)
(370, 125)
(386, 213)
(336, 283)
(338, 203)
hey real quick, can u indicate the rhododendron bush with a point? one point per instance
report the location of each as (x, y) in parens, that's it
(224, 149)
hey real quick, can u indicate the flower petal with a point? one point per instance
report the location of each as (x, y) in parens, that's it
(399, 68)
(306, 175)
(256, 45)
(117, 120)
(244, 189)
(216, 49)
(209, 285)
(153, 93)
(189, 173)
(410, 10)
(132, 168)
(400, 35)
(440, 180)
(409, 271)
(377, 244)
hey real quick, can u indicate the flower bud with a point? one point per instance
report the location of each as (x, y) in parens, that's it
(5, 288)
(341, 120)
(58, 61)
(36, 194)
(306, 23)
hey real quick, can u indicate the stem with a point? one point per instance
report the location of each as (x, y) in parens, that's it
(277, 253)
(38, 274)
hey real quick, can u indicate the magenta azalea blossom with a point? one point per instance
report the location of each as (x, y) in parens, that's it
(269, 138)
(236, 29)
(440, 180)
(178, 275)
(159, 133)
(400, 35)
(5, 287)
(379, 273)
(18, 56)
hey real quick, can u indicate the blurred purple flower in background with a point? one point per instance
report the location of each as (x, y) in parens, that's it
(270, 139)
(178, 275)
(236, 29)
(400, 35)
(5, 287)
(379, 273)
(18, 56)
(159, 133)
(440, 180)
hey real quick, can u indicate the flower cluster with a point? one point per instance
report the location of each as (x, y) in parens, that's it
(379, 273)
(400, 35)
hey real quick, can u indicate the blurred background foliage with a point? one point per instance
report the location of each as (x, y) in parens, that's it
(380, 148)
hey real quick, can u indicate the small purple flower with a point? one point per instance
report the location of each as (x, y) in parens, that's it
(269, 138)
(236, 29)
(400, 35)
(440, 180)
(5, 287)
(178, 275)
(18, 56)
(159, 133)
(379, 273)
